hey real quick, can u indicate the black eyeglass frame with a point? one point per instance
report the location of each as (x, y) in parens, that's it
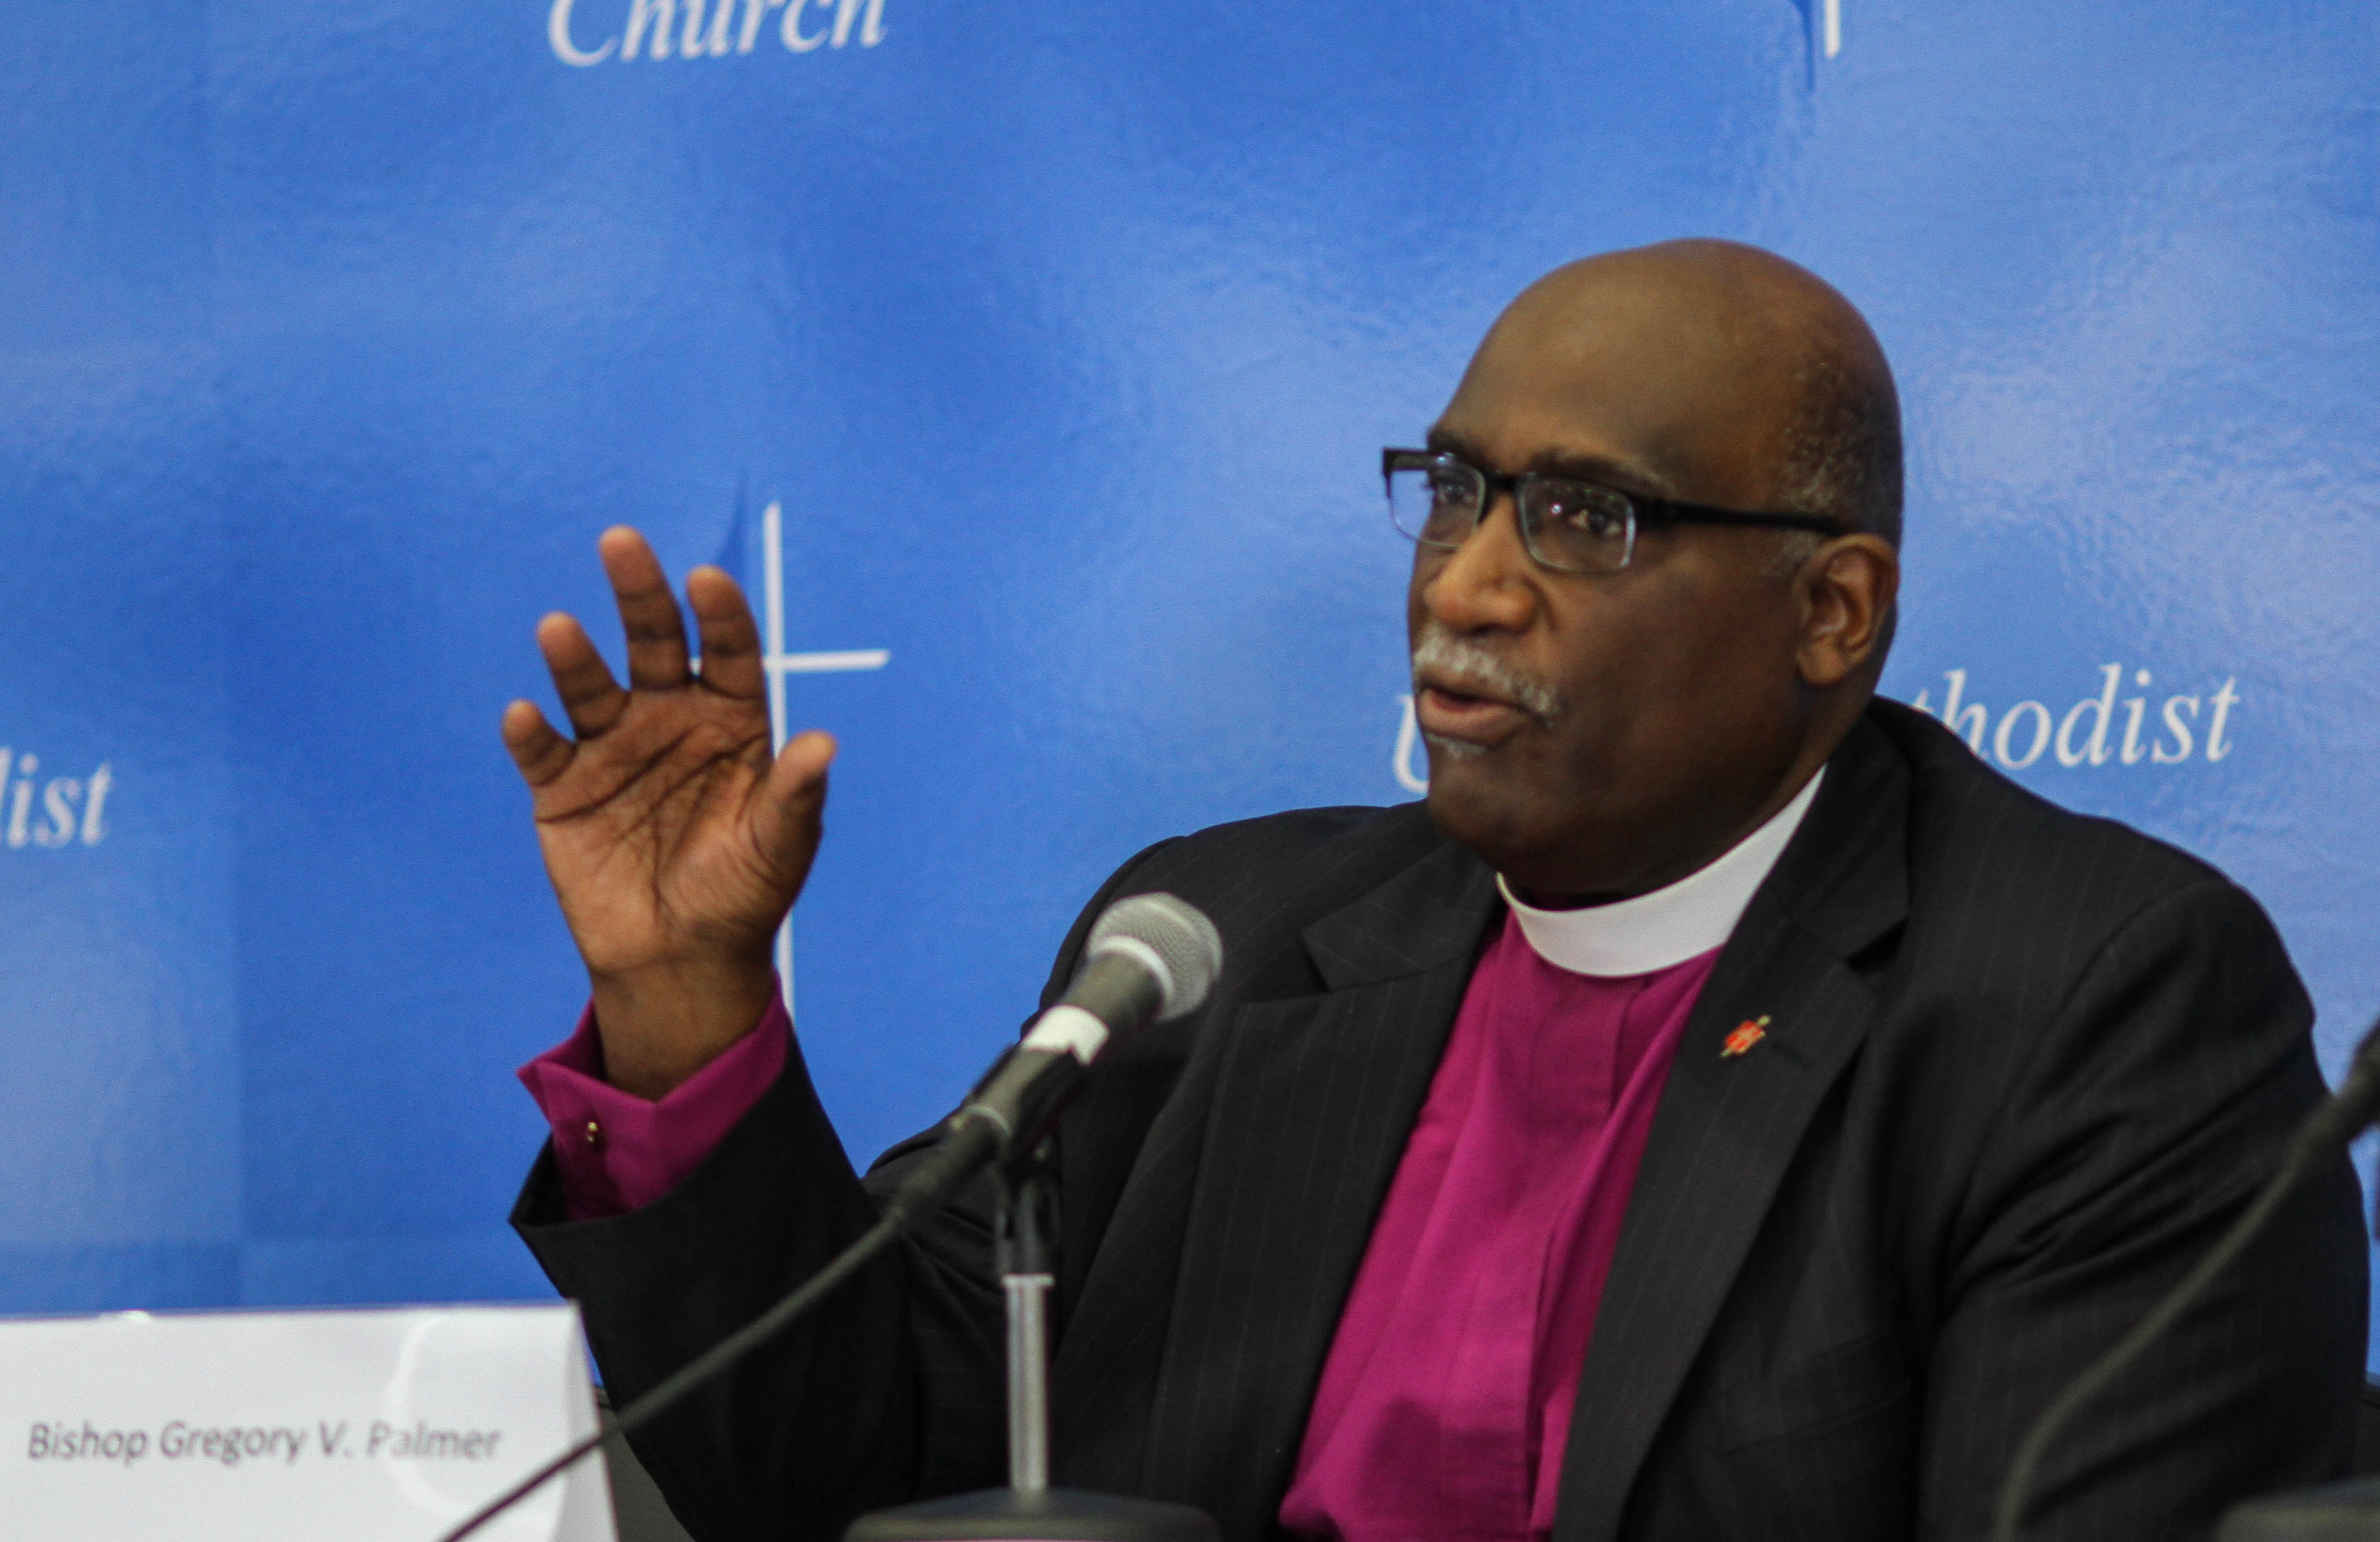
(1642, 508)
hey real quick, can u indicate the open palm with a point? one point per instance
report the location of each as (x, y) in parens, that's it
(675, 840)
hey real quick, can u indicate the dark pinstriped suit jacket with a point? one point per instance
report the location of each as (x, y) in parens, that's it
(2022, 1066)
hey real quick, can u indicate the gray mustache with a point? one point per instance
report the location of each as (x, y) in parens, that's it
(1462, 663)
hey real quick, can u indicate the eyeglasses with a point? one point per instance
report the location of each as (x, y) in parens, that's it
(1567, 524)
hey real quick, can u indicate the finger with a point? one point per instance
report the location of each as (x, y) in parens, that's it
(537, 749)
(648, 611)
(789, 813)
(731, 643)
(592, 698)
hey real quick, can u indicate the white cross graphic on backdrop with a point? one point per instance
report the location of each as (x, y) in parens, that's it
(1831, 27)
(781, 664)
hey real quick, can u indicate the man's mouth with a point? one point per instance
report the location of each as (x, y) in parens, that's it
(1467, 697)
(1466, 712)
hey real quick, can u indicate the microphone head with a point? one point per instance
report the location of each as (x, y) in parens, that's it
(1171, 937)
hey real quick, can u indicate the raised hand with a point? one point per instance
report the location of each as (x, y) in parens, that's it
(674, 842)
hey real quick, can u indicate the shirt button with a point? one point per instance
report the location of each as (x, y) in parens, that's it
(595, 1135)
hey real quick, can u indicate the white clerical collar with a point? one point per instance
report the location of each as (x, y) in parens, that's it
(1668, 925)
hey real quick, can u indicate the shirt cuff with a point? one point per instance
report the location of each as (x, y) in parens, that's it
(618, 1152)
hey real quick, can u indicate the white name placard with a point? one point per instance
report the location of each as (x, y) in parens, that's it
(379, 1426)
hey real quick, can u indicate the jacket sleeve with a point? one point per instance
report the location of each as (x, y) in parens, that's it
(2149, 1113)
(892, 1389)
(815, 1427)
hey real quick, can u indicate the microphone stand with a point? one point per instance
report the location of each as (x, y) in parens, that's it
(1029, 1507)
(1027, 1263)
(2348, 1510)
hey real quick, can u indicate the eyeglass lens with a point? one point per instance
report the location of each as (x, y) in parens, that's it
(1576, 526)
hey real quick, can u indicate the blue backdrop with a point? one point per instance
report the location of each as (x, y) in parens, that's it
(1062, 338)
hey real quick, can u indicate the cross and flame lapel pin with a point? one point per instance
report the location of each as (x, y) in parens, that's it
(1749, 1032)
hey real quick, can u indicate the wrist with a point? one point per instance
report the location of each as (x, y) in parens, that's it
(660, 1023)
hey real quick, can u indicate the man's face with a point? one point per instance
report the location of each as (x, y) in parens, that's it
(1602, 735)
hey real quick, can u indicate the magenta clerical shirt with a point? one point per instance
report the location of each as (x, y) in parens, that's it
(1447, 1396)
(1445, 1404)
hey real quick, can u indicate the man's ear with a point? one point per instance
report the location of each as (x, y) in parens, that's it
(1844, 595)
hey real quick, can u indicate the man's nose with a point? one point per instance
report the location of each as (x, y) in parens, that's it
(1488, 583)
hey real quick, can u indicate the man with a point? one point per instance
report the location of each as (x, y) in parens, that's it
(1727, 1110)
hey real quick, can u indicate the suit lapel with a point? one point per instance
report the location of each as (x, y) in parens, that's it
(1727, 1125)
(1314, 1099)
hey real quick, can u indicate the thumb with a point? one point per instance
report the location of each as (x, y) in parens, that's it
(788, 807)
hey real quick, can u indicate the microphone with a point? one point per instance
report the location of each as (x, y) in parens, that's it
(1150, 958)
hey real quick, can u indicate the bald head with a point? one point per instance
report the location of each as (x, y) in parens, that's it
(1764, 367)
(1599, 733)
